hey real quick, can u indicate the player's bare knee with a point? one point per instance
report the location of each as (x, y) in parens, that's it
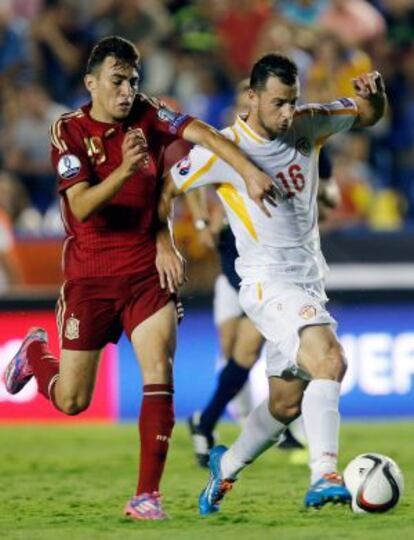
(245, 357)
(332, 365)
(283, 410)
(73, 405)
(158, 372)
(227, 347)
(340, 365)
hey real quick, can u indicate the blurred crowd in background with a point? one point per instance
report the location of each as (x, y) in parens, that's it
(194, 53)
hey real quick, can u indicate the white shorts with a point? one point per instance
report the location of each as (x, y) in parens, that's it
(226, 303)
(279, 310)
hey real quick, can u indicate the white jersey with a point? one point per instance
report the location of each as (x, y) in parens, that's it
(285, 246)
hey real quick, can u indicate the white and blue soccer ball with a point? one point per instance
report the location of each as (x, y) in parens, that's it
(375, 482)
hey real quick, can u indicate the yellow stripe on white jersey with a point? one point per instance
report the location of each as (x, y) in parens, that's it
(236, 135)
(249, 132)
(198, 174)
(235, 201)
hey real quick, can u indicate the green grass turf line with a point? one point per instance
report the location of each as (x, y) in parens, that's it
(71, 482)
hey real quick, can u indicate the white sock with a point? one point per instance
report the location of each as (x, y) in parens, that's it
(298, 430)
(260, 432)
(321, 419)
(242, 405)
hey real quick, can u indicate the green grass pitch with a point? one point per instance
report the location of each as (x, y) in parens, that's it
(71, 482)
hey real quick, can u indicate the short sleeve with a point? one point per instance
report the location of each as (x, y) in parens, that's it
(68, 155)
(326, 119)
(170, 124)
(199, 168)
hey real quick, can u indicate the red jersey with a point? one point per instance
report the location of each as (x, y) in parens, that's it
(119, 239)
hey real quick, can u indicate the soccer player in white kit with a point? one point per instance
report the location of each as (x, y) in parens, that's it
(282, 268)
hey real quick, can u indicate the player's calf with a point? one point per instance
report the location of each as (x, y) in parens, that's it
(283, 410)
(74, 404)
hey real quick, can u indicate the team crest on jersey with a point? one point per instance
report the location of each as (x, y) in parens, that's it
(72, 328)
(303, 145)
(307, 312)
(184, 166)
(68, 166)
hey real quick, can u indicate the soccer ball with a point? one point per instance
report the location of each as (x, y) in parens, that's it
(375, 482)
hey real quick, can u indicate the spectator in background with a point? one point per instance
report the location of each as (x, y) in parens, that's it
(279, 36)
(213, 94)
(27, 146)
(195, 43)
(147, 24)
(62, 43)
(356, 22)
(401, 137)
(14, 57)
(10, 271)
(26, 220)
(334, 67)
(301, 12)
(194, 26)
(238, 25)
(364, 202)
(26, 9)
(399, 16)
(354, 177)
(139, 21)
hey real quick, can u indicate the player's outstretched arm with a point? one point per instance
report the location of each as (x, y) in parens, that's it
(260, 186)
(371, 98)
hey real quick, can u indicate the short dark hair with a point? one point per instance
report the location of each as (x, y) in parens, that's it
(115, 46)
(273, 65)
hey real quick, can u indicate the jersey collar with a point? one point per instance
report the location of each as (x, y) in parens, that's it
(247, 130)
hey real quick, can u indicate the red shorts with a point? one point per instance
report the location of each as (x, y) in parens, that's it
(92, 312)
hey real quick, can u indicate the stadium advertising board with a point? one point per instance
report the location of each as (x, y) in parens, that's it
(379, 344)
(378, 340)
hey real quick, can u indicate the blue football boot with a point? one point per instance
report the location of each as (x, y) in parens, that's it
(217, 486)
(329, 488)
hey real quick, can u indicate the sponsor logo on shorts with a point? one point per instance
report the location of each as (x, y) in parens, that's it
(72, 328)
(184, 166)
(307, 312)
(303, 145)
(68, 166)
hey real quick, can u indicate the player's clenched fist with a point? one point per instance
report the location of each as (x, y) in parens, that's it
(369, 84)
(134, 152)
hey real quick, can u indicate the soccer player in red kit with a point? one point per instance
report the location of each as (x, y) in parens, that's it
(121, 271)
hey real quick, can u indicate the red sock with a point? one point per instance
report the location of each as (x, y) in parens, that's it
(156, 423)
(45, 366)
